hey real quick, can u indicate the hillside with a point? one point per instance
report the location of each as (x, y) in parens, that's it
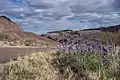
(9, 30)
(71, 36)
(88, 39)
(74, 37)
(11, 34)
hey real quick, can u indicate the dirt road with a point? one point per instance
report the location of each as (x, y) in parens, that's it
(12, 53)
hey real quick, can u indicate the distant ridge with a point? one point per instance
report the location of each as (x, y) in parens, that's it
(60, 31)
(115, 28)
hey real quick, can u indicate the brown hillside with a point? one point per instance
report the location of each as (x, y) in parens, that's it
(10, 30)
(12, 34)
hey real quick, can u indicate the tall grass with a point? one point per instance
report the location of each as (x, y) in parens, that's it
(63, 66)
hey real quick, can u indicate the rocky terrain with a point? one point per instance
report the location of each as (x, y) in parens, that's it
(97, 39)
(74, 36)
(11, 34)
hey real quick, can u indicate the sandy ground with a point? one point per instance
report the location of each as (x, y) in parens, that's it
(7, 53)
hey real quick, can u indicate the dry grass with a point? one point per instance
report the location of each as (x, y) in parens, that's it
(60, 66)
(35, 67)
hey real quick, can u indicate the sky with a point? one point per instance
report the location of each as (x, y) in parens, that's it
(41, 16)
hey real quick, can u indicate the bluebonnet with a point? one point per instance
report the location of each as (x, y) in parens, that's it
(104, 51)
(79, 45)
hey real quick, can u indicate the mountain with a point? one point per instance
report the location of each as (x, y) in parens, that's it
(12, 34)
(67, 30)
(115, 28)
(10, 30)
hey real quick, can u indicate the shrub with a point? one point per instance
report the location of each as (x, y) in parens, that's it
(61, 66)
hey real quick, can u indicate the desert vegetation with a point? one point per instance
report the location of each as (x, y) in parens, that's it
(79, 58)
(63, 66)
(112, 38)
(81, 55)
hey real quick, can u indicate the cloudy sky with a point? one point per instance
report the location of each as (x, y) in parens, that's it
(41, 16)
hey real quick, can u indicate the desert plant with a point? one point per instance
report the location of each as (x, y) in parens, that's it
(62, 66)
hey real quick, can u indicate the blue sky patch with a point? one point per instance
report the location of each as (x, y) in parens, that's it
(41, 16)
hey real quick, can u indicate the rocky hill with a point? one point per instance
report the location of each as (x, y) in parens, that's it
(11, 34)
(73, 37)
(9, 30)
(103, 35)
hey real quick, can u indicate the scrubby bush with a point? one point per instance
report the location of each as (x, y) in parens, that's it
(62, 66)
(112, 38)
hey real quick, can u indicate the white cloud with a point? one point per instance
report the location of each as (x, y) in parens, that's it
(45, 15)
